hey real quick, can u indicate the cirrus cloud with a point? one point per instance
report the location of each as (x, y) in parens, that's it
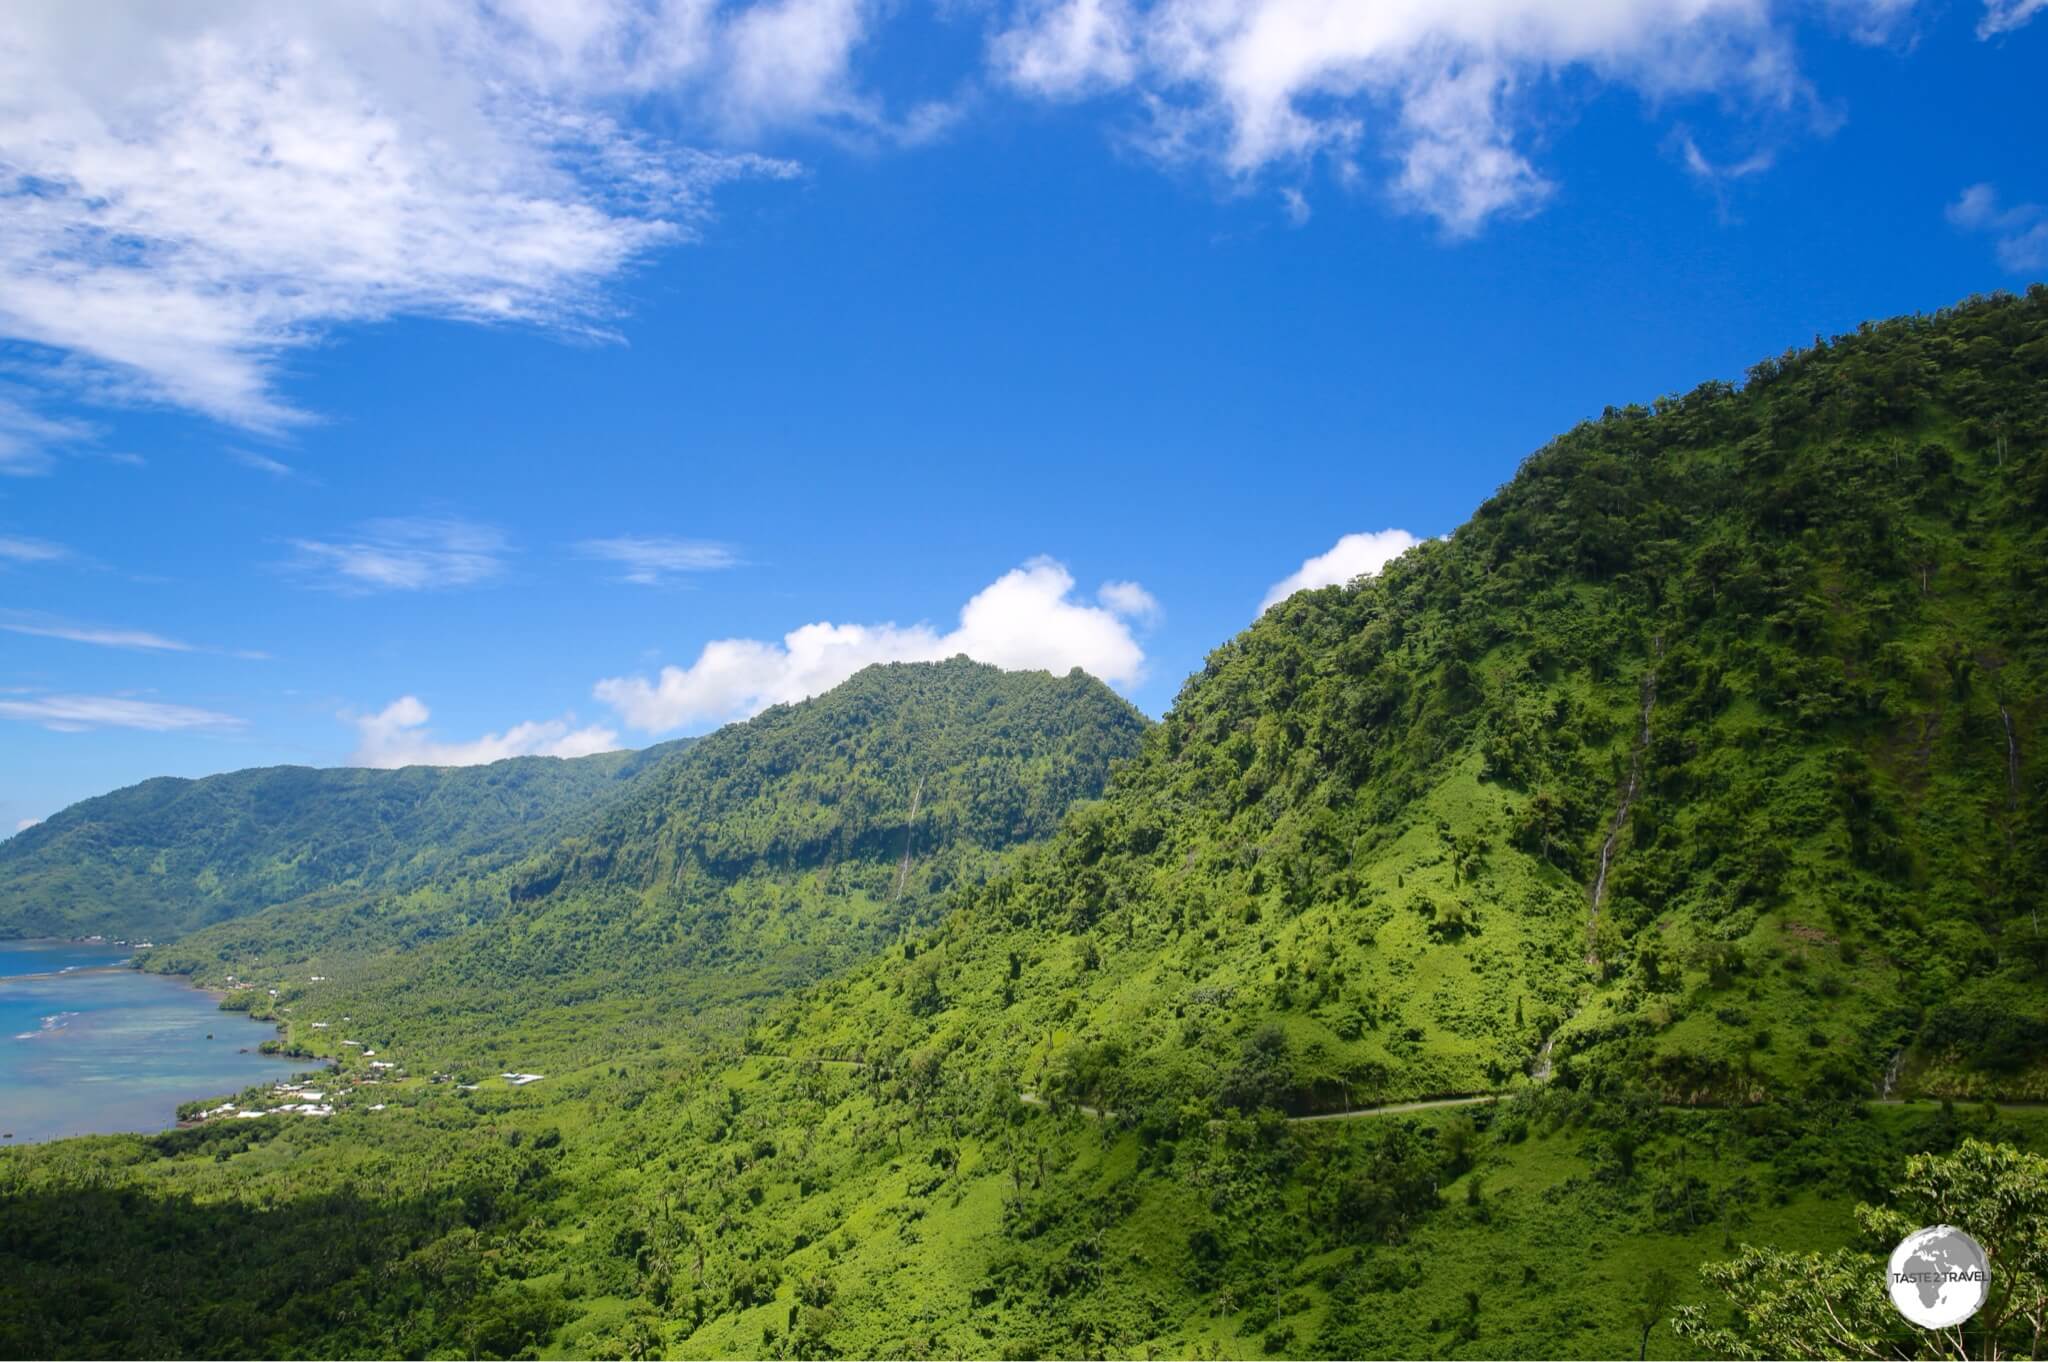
(404, 553)
(1027, 619)
(16, 548)
(653, 560)
(102, 637)
(82, 713)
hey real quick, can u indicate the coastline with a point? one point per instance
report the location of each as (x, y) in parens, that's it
(128, 1055)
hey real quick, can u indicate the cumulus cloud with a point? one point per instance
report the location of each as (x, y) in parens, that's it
(2003, 16)
(1027, 619)
(1355, 555)
(2019, 233)
(1443, 87)
(193, 191)
(397, 735)
(80, 713)
(1069, 47)
(651, 561)
(418, 553)
(1130, 600)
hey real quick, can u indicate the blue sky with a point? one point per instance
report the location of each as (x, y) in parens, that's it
(419, 385)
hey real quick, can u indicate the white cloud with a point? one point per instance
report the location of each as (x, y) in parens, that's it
(420, 553)
(17, 549)
(651, 561)
(194, 190)
(1069, 47)
(788, 59)
(397, 736)
(2020, 233)
(105, 638)
(1715, 172)
(44, 626)
(1444, 87)
(27, 438)
(2003, 16)
(1130, 600)
(262, 463)
(25, 824)
(1355, 555)
(1719, 178)
(79, 713)
(1026, 619)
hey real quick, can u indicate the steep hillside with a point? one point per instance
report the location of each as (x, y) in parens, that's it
(1685, 800)
(1705, 754)
(769, 853)
(1687, 795)
(169, 856)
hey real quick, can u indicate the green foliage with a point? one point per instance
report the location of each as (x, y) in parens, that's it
(1667, 800)
(1835, 1305)
(758, 859)
(169, 856)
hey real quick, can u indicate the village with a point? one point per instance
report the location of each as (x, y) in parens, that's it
(343, 1087)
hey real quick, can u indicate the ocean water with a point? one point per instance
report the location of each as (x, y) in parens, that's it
(90, 1048)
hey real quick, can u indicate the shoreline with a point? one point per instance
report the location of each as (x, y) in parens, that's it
(148, 1032)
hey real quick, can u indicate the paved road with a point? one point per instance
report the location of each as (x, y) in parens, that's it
(1401, 1108)
(1396, 1108)
(1392, 1109)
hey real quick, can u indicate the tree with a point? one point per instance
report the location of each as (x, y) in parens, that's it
(1835, 1304)
(2000, 1195)
(1660, 1290)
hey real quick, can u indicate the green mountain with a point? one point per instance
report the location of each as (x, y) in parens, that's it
(169, 856)
(1705, 753)
(1679, 807)
(1688, 796)
(759, 859)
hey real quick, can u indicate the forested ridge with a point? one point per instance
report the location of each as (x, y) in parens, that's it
(762, 857)
(169, 856)
(1688, 798)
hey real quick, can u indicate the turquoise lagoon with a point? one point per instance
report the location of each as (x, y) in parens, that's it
(88, 1047)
